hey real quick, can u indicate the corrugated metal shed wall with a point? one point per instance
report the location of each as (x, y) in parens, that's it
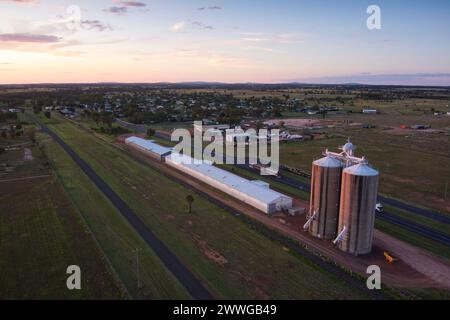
(259, 197)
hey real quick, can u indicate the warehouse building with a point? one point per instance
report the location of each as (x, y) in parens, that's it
(149, 147)
(255, 193)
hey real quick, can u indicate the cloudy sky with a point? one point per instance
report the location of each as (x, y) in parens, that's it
(225, 40)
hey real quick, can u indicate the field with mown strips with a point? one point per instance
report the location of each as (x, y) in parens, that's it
(250, 265)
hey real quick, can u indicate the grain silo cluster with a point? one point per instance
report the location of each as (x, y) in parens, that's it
(343, 198)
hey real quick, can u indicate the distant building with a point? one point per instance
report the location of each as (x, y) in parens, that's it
(419, 127)
(237, 137)
(149, 147)
(328, 108)
(370, 111)
(286, 136)
(208, 121)
(204, 128)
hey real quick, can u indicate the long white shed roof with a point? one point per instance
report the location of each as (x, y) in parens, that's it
(254, 190)
(149, 145)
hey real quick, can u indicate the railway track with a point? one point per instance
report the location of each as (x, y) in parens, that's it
(306, 187)
(285, 239)
(190, 282)
(385, 216)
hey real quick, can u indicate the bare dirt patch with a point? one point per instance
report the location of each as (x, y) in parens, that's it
(209, 252)
(405, 272)
(301, 122)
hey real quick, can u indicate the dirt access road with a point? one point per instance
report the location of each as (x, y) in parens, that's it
(414, 267)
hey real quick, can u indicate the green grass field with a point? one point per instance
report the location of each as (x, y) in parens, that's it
(296, 159)
(116, 238)
(400, 233)
(41, 234)
(406, 172)
(249, 266)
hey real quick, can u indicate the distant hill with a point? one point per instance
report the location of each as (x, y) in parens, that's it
(213, 85)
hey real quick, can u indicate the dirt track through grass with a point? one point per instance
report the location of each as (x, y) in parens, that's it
(256, 267)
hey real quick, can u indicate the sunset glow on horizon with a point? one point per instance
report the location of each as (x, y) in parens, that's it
(223, 41)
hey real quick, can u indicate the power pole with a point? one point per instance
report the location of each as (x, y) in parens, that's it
(137, 250)
(445, 192)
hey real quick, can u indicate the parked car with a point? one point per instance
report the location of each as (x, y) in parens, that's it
(379, 208)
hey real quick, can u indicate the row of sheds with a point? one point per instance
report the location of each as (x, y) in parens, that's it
(253, 192)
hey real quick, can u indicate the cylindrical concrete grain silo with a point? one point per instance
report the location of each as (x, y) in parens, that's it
(359, 190)
(324, 201)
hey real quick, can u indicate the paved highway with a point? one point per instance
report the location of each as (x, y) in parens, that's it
(389, 201)
(416, 228)
(192, 284)
(423, 212)
(186, 278)
(305, 187)
(386, 216)
(285, 240)
(141, 128)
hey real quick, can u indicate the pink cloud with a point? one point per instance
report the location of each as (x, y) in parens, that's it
(131, 3)
(28, 38)
(19, 1)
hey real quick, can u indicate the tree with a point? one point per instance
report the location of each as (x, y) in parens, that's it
(31, 133)
(86, 113)
(277, 112)
(190, 200)
(37, 109)
(12, 130)
(96, 117)
(259, 125)
(150, 132)
(107, 119)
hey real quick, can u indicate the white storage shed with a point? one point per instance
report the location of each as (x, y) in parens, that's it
(254, 194)
(149, 147)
